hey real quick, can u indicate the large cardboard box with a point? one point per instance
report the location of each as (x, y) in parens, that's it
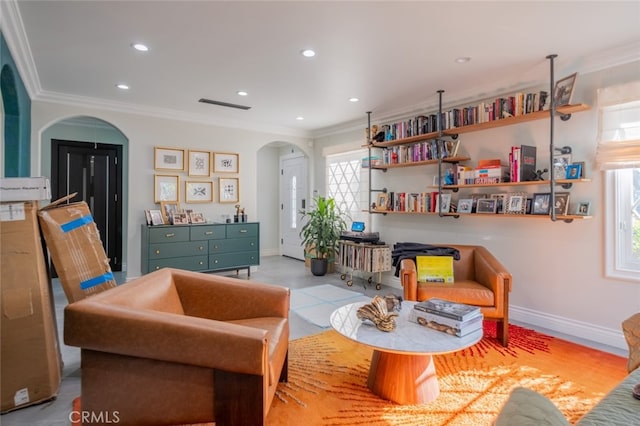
(76, 250)
(30, 364)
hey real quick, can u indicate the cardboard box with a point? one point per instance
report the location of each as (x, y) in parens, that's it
(24, 189)
(76, 250)
(30, 363)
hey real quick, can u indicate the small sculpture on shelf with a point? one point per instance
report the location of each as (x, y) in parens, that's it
(539, 174)
(377, 313)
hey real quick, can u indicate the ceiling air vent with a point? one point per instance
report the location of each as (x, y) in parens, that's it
(224, 104)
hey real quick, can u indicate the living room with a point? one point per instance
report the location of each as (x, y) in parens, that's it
(560, 281)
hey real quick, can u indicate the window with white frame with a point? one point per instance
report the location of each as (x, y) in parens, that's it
(346, 182)
(619, 156)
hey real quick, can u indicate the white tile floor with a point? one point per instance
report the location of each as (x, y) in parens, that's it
(273, 269)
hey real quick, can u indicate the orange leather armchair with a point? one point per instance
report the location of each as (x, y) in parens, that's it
(180, 347)
(480, 280)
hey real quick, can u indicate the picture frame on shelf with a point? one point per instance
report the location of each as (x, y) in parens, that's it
(147, 216)
(168, 208)
(560, 164)
(199, 163)
(563, 90)
(229, 190)
(582, 169)
(381, 202)
(198, 191)
(168, 158)
(465, 205)
(486, 206)
(516, 204)
(501, 201)
(226, 162)
(156, 217)
(197, 217)
(561, 203)
(583, 208)
(180, 218)
(166, 188)
(541, 203)
(445, 207)
(529, 204)
(574, 171)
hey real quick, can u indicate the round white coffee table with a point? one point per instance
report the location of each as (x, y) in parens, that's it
(402, 368)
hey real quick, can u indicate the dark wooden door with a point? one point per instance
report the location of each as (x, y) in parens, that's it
(94, 171)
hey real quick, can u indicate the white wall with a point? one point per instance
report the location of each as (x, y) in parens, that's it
(558, 268)
(145, 132)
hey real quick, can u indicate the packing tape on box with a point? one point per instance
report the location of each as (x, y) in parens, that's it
(100, 279)
(76, 223)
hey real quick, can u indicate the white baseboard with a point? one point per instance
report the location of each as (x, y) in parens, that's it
(270, 252)
(569, 327)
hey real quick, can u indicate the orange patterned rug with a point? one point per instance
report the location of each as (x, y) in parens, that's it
(328, 376)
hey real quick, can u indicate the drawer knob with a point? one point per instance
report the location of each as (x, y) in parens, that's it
(169, 235)
(215, 261)
(215, 247)
(201, 262)
(157, 251)
(201, 248)
(243, 231)
(252, 244)
(157, 267)
(208, 233)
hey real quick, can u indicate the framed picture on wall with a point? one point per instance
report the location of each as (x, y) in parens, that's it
(198, 191)
(199, 163)
(168, 158)
(229, 191)
(166, 188)
(564, 90)
(225, 162)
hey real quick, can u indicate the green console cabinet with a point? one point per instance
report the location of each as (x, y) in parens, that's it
(207, 247)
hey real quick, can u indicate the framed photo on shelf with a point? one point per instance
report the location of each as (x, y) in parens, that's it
(583, 208)
(560, 164)
(516, 204)
(196, 217)
(165, 188)
(541, 203)
(501, 201)
(168, 158)
(225, 162)
(198, 191)
(381, 202)
(446, 203)
(465, 205)
(561, 203)
(574, 171)
(168, 209)
(147, 216)
(229, 190)
(199, 163)
(180, 218)
(563, 90)
(582, 168)
(486, 205)
(156, 217)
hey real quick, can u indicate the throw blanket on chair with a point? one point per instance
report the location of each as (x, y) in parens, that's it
(411, 250)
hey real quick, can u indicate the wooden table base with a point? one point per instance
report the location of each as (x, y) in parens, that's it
(405, 379)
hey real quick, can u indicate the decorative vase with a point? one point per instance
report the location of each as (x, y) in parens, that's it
(318, 267)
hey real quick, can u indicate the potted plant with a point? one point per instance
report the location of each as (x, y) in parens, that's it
(321, 232)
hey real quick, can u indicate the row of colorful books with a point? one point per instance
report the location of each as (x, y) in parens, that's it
(421, 151)
(456, 319)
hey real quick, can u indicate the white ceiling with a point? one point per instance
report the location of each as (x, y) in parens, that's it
(392, 55)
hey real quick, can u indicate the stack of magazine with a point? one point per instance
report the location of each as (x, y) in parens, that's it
(449, 317)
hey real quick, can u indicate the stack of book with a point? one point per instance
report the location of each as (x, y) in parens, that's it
(452, 318)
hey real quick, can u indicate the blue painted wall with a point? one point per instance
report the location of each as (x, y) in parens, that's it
(17, 116)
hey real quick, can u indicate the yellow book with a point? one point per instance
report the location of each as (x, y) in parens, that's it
(435, 268)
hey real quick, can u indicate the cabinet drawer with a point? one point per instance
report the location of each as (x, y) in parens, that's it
(191, 263)
(168, 234)
(242, 230)
(163, 251)
(232, 260)
(233, 245)
(207, 232)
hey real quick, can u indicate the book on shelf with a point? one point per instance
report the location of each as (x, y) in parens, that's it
(449, 309)
(440, 323)
(435, 269)
(522, 163)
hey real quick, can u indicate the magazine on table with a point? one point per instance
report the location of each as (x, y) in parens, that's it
(428, 316)
(447, 308)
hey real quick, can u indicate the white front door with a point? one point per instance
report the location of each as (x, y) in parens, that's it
(293, 198)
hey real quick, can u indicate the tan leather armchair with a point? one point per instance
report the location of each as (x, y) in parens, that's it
(180, 347)
(480, 280)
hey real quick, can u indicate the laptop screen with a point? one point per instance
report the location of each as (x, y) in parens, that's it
(357, 226)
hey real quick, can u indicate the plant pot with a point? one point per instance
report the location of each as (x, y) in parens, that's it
(318, 267)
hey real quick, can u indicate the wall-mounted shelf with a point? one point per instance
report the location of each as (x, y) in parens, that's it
(527, 183)
(419, 163)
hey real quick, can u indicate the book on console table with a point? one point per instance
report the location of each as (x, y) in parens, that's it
(440, 323)
(446, 308)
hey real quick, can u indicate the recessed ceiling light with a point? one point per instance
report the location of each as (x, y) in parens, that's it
(141, 47)
(308, 53)
(242, 93)
(462, 59)
(299, 118)
(122, 86)
(353, 99)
